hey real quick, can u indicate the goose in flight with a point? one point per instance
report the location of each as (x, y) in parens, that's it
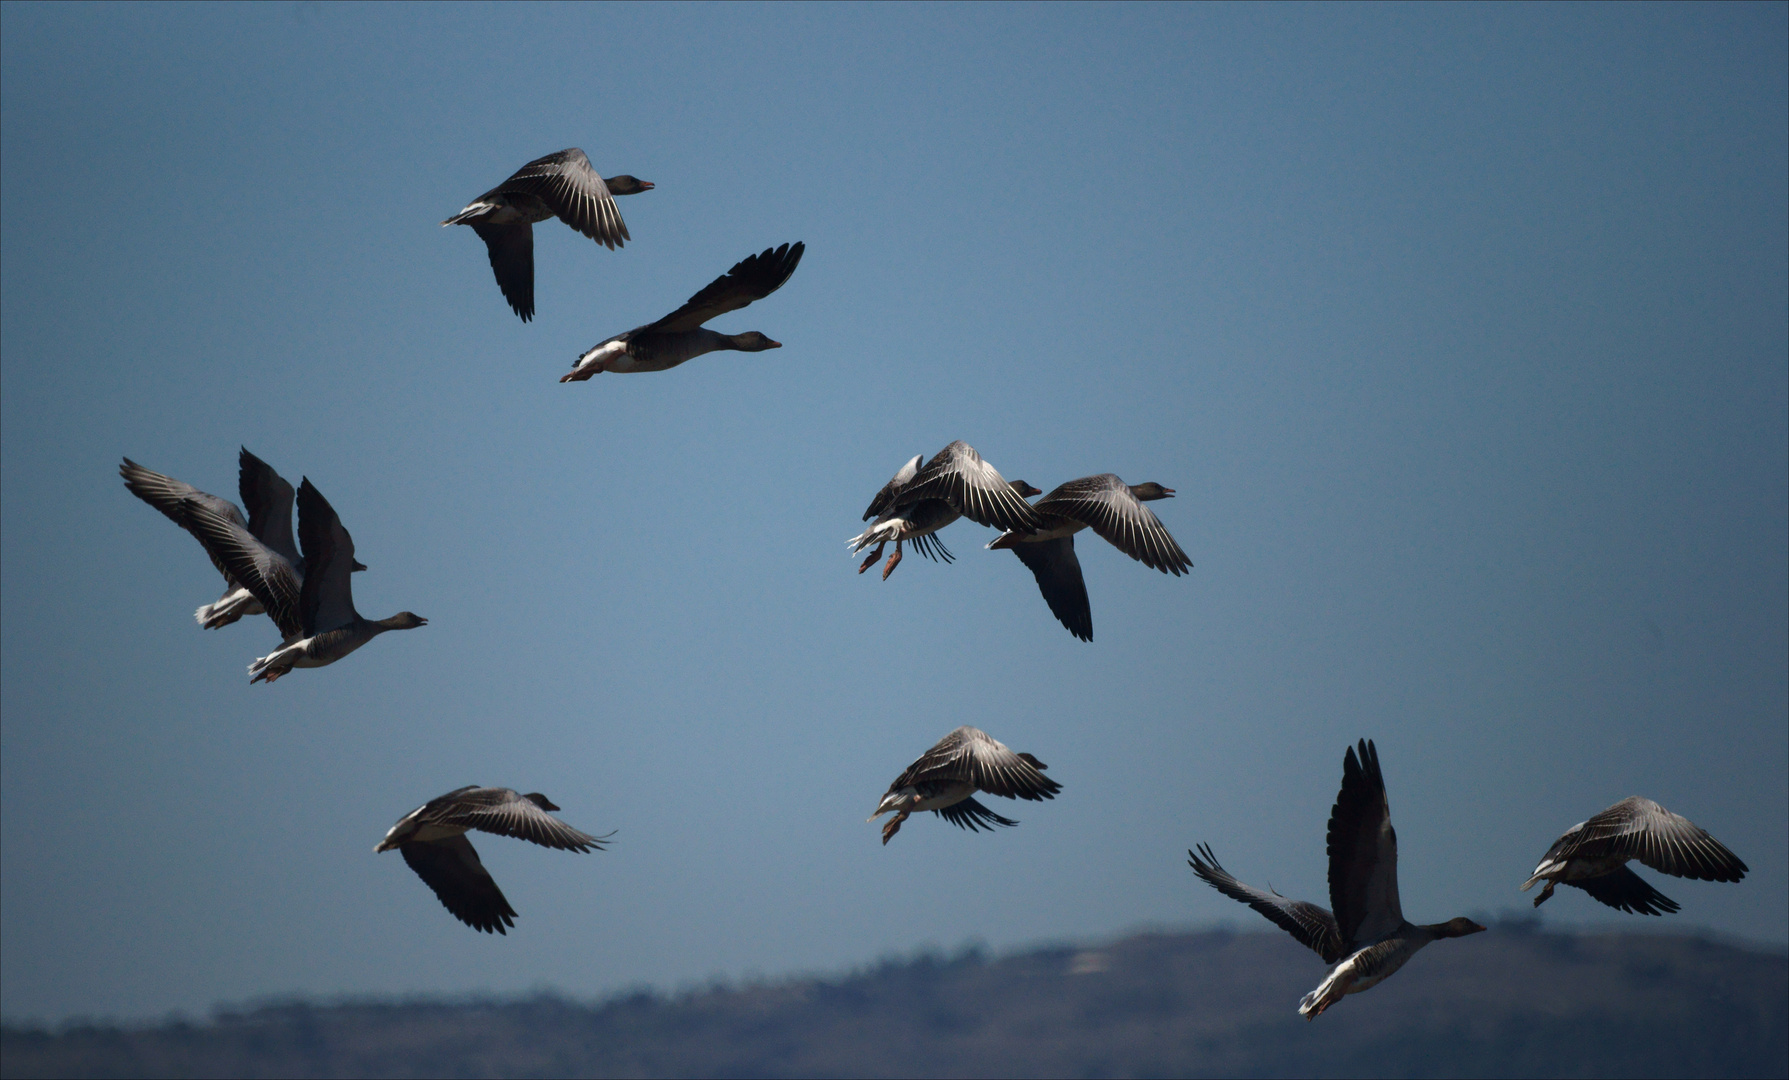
(680, 336)
(313, 609)
(269, 500)
(432, 839)
(561, 185)
(1593, 856)
(1367, 938)
(946, 777)
(1115, 511)
(920, 501)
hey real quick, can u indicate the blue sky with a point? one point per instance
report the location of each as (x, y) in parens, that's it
(1459, 330)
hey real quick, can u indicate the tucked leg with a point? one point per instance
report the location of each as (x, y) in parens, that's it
(893, 826)
(893, 561)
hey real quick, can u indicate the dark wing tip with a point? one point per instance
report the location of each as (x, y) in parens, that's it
(772, 267)
(1205, 864)
(1624, 890)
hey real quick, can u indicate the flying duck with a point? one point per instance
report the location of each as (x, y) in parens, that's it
(1115, 511)
(1367, 938)
(680, 336)
(269, 500)
(432, 839)
(1593, 856)
(964, 762)
(561, 185)
(314, 610)
(920, 501)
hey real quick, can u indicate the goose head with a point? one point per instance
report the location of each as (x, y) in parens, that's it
(751, 341)
(1459, 927)
(540, 800)
(1025, 490)
(627, 185)
(404, 620)
(1151, 491)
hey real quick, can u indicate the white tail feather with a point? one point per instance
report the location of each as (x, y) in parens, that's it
(1331, 990)
(226, 610)
(875, 534)
(476, 210)
(276, 662)
(1547, 866)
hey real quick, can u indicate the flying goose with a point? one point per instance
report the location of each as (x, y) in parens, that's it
(1367, 938)
(561, 185)
(1593, 856)
(1115, 511)
(920, 501)
(314, 610)
(432, 839)
(964, 762)
(680, 336)
(269, 500)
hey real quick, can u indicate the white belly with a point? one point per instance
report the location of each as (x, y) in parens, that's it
(1060, 528)
(946, 793)
(605, 357)
(1580, 868)
(426, 833)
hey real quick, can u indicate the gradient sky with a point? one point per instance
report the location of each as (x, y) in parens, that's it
(1461, 332)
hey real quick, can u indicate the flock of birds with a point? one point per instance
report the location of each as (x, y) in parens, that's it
(306, 588)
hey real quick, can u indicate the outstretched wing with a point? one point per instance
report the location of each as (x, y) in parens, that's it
(268, 498)
(973, 755)
(511, 250)
(328, 597)
(1105, 504)
(1363, 854)
(972, 815)
(1314, 927)
(932, 548)
(451, 867)
(752, 278)
(1638, 828)
(1058, 573)
(574, 192)
(168, 495)
(506, 813)
(264, 572)
(1624, 890)
(885, 498)
(974, 488)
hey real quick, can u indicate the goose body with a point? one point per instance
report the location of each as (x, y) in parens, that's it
(268, 524)
(432, 839)
(323, 627)
(325, 648)
(1112, 509)
(946, 778)
(561, 185)
(919, 501)
(314, 609)
(680, 336)
(1593, 856)
(1367, 937)
(638, 351)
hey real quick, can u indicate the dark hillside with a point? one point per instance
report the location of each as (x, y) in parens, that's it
(1510, 1002)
